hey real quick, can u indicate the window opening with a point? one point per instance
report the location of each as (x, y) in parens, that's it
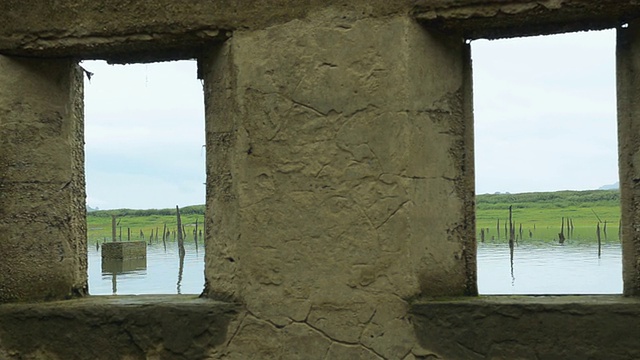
(144, 135)
(546, 145)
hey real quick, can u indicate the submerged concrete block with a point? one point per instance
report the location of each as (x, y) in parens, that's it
(123, 266)
(124, 250)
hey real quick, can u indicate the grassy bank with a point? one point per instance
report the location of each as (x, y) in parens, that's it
(99, 222)
(540, 214)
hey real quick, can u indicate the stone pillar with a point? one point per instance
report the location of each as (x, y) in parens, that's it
(42, 191)
(340, 183)
(628, 79)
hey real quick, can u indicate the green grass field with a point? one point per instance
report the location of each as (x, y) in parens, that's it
(540, 215)
(99, 222)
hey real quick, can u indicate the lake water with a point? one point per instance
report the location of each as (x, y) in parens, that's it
(159, 274)
(541, 268)
(546, 268)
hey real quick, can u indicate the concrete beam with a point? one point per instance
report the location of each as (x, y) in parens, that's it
(501, 19)
(151, 30)
(147, 30)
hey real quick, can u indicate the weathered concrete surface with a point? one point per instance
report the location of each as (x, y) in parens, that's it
(124, 250)
(148, 30)
(500, 19)
(628, 82)
(122, 327)
(339, 181)
(42, 191)
(530, 327)
(153, 30)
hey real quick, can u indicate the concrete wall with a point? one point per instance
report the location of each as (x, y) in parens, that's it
(42, 190)
(339, 137)
(339, 182)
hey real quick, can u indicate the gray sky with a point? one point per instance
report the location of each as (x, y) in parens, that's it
(545, 113)
(144, 140)
(545, 119)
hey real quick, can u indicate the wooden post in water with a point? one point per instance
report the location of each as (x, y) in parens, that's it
(180, 233)
(195, 234)
(511, 247)
(561, 234)
(599, 242)
(572, 228)
(128, 234)
(512, 231)
(619, 229)
(164, 241)
(120, 233)
(520, 231)
(604, 230)
(482, 235)
(113, 228)
(498, 228)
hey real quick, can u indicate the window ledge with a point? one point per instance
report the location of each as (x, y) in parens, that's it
(530, 327)
(114, 327)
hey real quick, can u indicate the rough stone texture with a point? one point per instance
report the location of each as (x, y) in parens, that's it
(500, 19)
(148, 30)
(124, 250)
(42, 190)
(152, 30)
(340, 178)
(339, 189)
(122, 327)
(628, 78)
(528, 327)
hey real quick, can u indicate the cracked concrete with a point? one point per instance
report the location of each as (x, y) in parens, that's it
(340, 182)
(342, 155)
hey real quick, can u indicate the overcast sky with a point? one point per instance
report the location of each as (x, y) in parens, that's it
(545, 113)
(144, 140)
(545, 119)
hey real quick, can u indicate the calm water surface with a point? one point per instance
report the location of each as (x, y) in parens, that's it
(159, 276)
(541, 268)
(546, 268)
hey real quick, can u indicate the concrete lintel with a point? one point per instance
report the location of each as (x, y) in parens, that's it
(115, 327)
(117, 49)
(530, 327)
(500, 19)
(150, 30)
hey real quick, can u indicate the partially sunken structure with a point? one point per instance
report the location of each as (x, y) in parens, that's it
(340, 183)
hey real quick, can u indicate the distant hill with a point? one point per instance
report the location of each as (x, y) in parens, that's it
(187, 210)
(557, 199)
(615, 186)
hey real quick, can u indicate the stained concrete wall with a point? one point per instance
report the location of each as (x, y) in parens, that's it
(42, 191)
(339, 181)
(628, 80)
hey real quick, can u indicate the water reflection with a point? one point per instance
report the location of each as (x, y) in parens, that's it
(161, 272)
(114, 267)
(548, 268)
